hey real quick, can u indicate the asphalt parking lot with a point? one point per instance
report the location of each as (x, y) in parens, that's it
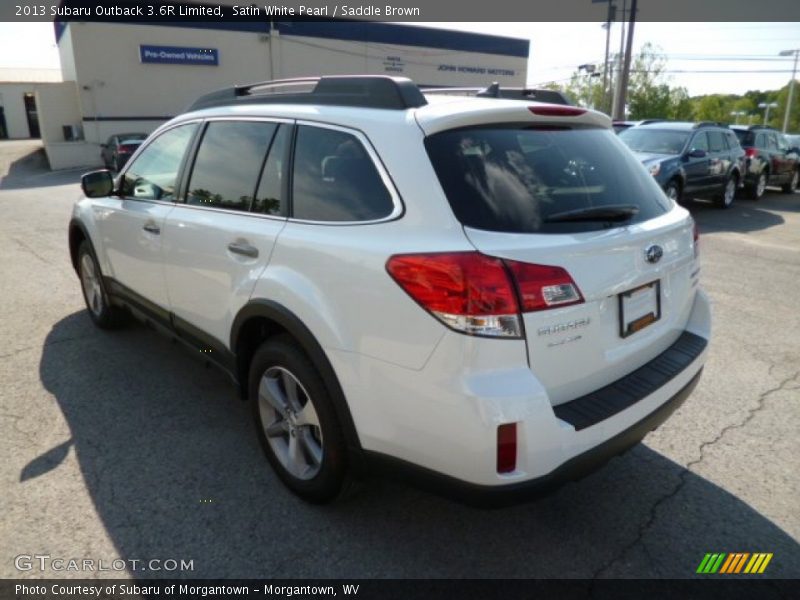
(123, 445)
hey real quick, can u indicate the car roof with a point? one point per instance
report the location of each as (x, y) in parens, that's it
(442, 112)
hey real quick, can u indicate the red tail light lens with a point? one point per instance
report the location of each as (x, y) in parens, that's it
(750, 152)
(476, 294)
(541, 286)
(556, 111)
(468, 291)
(127, 148)
(507, 448)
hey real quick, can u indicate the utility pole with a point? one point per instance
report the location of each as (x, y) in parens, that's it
(609, 18)
(625, 75)
(796, 53)
(618, 61)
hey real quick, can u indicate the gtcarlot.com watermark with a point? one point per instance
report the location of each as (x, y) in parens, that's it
(46, 563)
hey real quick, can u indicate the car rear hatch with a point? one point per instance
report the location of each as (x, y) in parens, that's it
(572, 196)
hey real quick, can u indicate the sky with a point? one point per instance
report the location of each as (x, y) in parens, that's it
(705, 58)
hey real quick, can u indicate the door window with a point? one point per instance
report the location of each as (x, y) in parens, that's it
(700, 142)
(154, 173)
(228, 163)
(716, 141)
(270, 198)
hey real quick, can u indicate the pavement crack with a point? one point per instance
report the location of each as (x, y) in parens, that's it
(683, 477)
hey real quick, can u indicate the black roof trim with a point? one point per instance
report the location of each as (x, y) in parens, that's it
(365, 91)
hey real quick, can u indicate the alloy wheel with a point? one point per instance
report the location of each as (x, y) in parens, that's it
(290, 423)
(730, 192)
(761, 186)
(91, 285)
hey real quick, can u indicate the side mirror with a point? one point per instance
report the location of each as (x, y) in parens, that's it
(97, 184)
(697, 153)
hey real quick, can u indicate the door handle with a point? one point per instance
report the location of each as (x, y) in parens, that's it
(244, 249)
(151, 227)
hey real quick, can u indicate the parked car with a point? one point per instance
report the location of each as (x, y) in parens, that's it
(690, 159)
(794, 140)
(489, 295)
(119, 148)
(623, 125)
(771, 160)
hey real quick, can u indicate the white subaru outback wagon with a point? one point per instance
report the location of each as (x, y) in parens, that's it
(485, 293)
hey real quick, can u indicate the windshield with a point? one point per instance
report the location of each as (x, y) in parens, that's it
(655, 141)
(519, 179)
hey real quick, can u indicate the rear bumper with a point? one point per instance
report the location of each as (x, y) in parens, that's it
(493, 496)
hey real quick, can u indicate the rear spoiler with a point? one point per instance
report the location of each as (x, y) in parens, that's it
(506, 93)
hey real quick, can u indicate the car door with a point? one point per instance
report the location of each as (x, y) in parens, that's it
(107, 149)
(219, 238)
(130, 223)
(785, 162)
(697, 168)
(718, 160)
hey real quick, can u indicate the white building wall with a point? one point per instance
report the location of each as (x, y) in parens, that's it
(11, 99)
(103, 58)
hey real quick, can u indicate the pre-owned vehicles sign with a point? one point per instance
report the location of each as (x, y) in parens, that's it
(178, 55)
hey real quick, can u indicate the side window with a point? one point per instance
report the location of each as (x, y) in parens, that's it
(716, 141)
(761, 140)
(228, 162)
(700, 142)
(154, 173)
(335, 179)
(773, 141)
(783, 145)
(269, 198)
(733, 141)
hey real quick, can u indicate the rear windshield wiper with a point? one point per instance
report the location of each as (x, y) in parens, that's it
(610, 212)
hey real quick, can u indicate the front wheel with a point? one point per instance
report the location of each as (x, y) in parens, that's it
(102, 313)
(791, 187)
(725, 199)
(757, 190)
(673, 191)
(296, 421)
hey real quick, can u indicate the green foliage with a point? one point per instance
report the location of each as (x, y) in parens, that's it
(651, 96)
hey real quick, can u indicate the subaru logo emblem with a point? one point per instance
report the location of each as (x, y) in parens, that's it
(653, 253)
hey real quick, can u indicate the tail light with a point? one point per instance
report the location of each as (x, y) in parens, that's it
(481, 295)
(750, 152)
(507, 448)
(127, 149)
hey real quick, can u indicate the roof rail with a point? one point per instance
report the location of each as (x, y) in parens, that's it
(507, 93)
(365, 91)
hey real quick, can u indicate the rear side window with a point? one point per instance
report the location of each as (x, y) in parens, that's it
(335, 179)
(154, 173)
(228, 164)
(761, 140)
(733, 141)
(520, 179)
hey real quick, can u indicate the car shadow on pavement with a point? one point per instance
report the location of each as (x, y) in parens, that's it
(31, 170)
(745, 215)
(171, 461)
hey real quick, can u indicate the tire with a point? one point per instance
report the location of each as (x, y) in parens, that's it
(101, 311)
(304, 446)
(791, 187)
(673, 190)
(726, 196)
(756, 190)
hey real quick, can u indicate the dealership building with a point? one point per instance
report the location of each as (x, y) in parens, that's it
(131, 77)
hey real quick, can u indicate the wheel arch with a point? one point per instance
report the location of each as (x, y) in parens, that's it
(257, 321)
(77, 234)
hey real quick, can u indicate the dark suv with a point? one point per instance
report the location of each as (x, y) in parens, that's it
(770, 160)
(690, 159)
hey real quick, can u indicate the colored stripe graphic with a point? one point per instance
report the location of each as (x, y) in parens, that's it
(734, 563)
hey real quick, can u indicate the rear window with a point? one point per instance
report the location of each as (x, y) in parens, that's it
(655, 141)
(513, 179)
(744, 136)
